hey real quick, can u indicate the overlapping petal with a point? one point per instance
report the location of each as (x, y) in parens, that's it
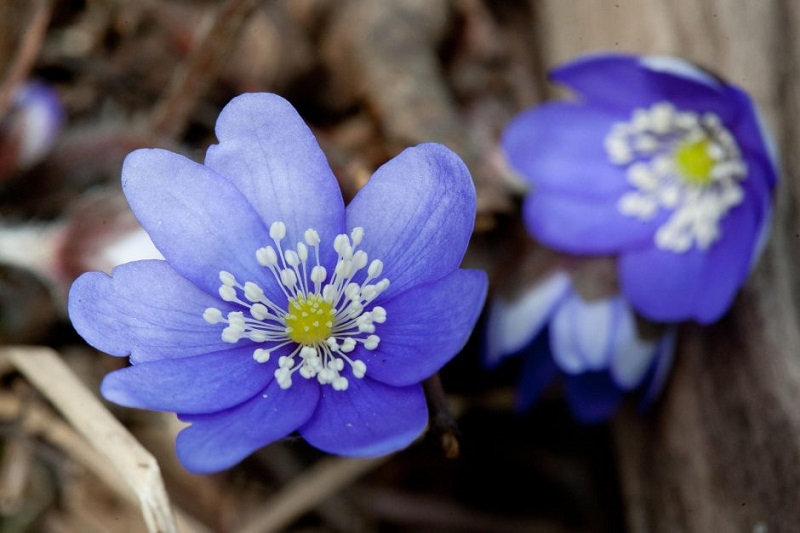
(698, 284)
(272, 157)
(197, 384)
(582, 334)
(539, 370)
(559, 147)
(418, 211)
(622, 82)
(513, 325)
(371, 419)
(592, 396)
(219, 440)
(580, 225)
(425, 327)
(196, 218)
(145, 309)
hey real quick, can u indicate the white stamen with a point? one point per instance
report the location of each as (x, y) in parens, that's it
(647, 146)
(277, 231)
(227, 278)
(341, 305)
(212, 315)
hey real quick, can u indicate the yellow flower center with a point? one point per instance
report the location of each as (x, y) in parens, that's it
(694, 163)
(309, 320)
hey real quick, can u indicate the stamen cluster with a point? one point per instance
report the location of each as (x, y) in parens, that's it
(681, 161)
(325, 318)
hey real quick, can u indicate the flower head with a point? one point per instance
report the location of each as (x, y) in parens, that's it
(30, 128)
(593, 346)
(658, 162)
(278, 309)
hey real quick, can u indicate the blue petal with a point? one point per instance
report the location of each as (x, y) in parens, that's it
(368, 419)
(270, 154)
(660, 370)
(696, 285)
(198, 384)
(145, 309)
(592, 397)
(538, 371)
(425, 327)
(755, 140)
(513, 325)
(623, 82)
(631, 356)
(418, 211)
(582, 334)
(196, 218)
(578, 225)
(560, 147)
(220, 440)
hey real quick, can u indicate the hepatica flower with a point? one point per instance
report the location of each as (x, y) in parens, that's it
(659, 163)
(278, 309)
(592, 347)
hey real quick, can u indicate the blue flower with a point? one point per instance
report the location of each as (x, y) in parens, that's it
(278, 309)
(659, 163)
(593, 347)
(31, 127)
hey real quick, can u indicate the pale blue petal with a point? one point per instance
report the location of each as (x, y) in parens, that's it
(512, 325)
(418, 211)
(272, 157)
(146, 310)
(196, 218)
(220, 440)
(369, 419)
(425, 327)
(196, 384)
(582, 334)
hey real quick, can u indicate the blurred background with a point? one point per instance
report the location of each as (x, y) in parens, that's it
(82, 83)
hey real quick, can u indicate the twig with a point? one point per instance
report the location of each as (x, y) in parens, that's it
(443, 423)
(37, 421)
(307, 490)
(337, 511)
(52, 377)
(189, 84)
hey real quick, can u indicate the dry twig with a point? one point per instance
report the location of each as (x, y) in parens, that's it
(310, 488)
(50, 375)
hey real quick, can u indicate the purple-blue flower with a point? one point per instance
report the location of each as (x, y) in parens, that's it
(30, 128)
(593, 347)
(659, 163)
(278, 308)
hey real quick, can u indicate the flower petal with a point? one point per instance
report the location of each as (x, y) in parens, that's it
(513, 325)
(623, 82)
(368, 419)
(418, 211)
(592, 397)
(560, 147)
(270, 154)
(631, 356)
(696, 285)
(196, 218)
(538, 371)
(582, 333)
(197, 384)
(425, 327)
(220, 440)
(660, 370)
(145, 309)
(579, 225)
